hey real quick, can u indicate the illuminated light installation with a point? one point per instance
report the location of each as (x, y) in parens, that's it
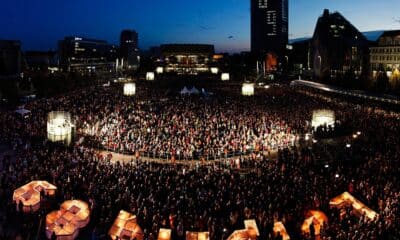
(316, 218)
(164, 234)
(159, 70)
(66, 222)
(129, 89)
(197, 235)
(60, 127)
(150, 76)
(29, 195)
(225, 77)
(280, 228)
(125, 227)
(346, 199)
(214, 70)
(248, 89)
(323, 117)
(249, 233)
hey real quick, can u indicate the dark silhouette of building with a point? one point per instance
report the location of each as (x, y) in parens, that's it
(269, 27)
(300, 57)
(338, 48)
(10, 58)
(129, 50)
(40, 60)
(87, 55)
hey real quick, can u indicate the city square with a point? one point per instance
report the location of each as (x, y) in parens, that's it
(288, 139)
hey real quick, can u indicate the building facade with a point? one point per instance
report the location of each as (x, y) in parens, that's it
(129, 50)
(86, 55)
(385, 55)
(269, 27)
(190, 59)
(338, 47)
(10, 58)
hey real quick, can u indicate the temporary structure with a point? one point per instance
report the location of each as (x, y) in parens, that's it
(164, 234)
(197, 235)
(317, 218)
(280, 228)
(66, 222)
(29, 195)
(249, 233)
(125, 226)
(185, 91)
(346, 199)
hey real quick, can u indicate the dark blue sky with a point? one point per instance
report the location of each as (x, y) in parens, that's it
(40, 23)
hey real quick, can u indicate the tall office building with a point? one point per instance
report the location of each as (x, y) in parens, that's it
(86, 55)
(269, 26)
(129, 50)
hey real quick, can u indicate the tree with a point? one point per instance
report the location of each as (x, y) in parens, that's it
(382, 82)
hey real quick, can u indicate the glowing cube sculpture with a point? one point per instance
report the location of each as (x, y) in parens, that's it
(225, 77)
(129, 89)
(323, 117)
(248, 89)
(59, 127)
(150, 76)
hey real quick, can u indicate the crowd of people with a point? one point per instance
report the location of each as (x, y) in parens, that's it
(190, 127)
(214, 198)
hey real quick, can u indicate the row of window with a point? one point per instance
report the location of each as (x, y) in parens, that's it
(385, 50)
(390, 41)
(385, 58)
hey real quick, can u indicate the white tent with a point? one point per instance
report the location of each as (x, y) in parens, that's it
(194, 91)
(185, 90)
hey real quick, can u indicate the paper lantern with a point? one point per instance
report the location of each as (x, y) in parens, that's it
(59, 127)
(66, 222)
(125, 227)
(225, 77)
(150, 76)
(29, 195)
(129, 89)
(248, 89)
(323, 117)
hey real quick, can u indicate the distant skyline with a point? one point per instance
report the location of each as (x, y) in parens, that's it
(224, 23)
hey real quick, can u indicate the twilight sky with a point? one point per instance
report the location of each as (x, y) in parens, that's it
(40, 23)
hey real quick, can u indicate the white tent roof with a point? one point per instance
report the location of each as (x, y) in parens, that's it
(185, 90)
(194, 91)
(22, 111)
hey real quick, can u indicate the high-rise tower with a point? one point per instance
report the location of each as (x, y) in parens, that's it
(269, 26)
